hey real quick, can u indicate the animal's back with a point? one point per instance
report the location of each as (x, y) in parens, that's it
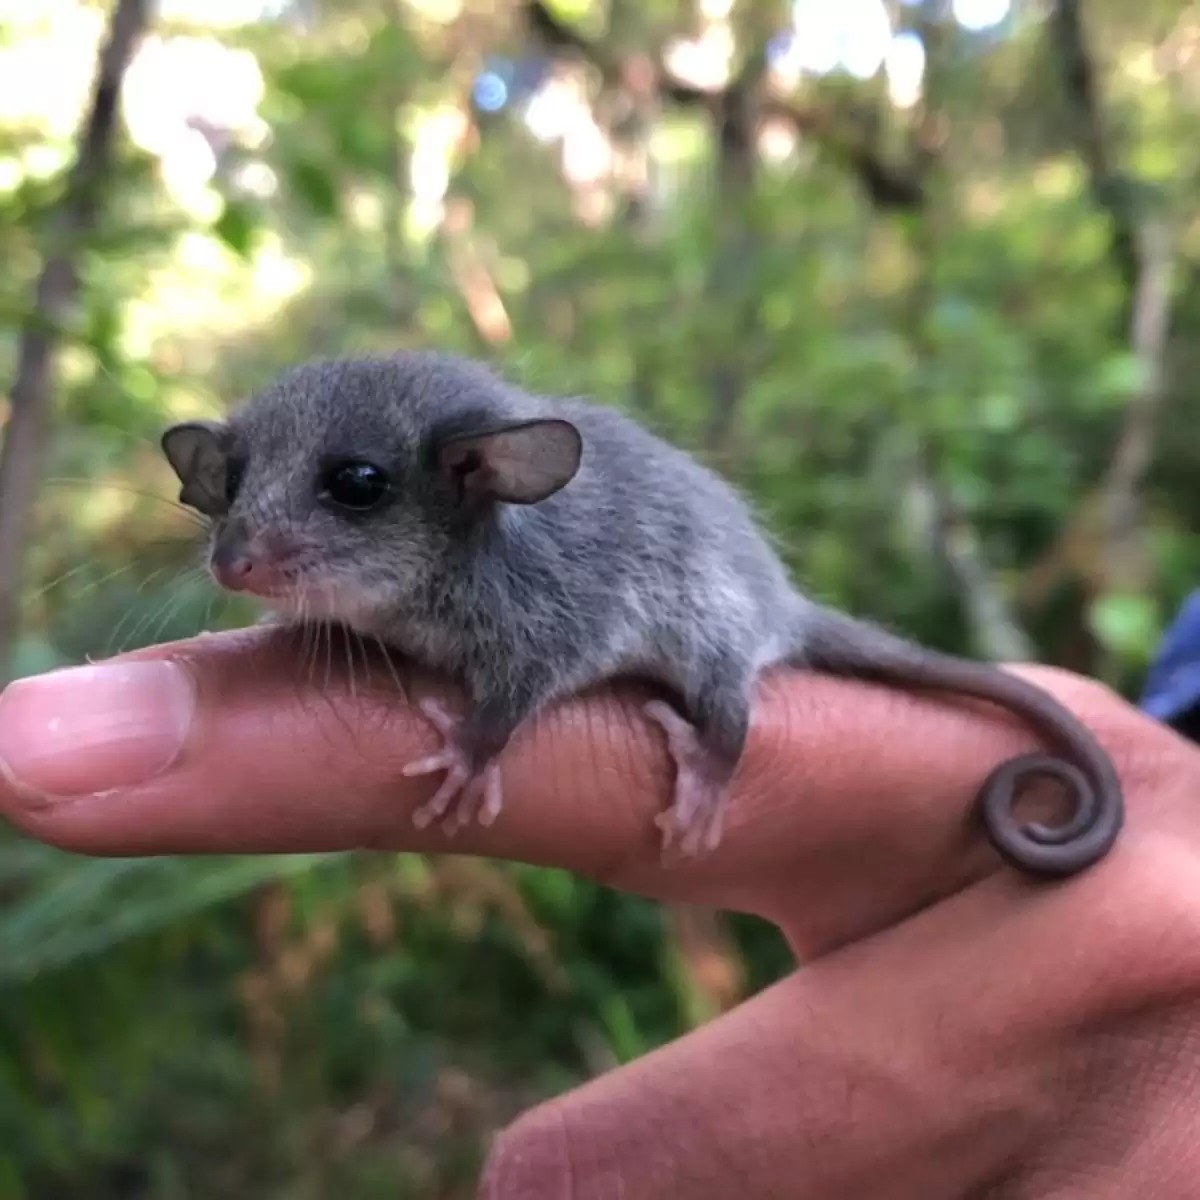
(681, 543)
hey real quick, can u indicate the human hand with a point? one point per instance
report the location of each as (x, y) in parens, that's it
(957, 1030)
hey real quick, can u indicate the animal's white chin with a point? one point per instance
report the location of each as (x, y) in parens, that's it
(321, 602)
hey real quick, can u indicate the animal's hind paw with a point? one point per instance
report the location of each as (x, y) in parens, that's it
(695, 822)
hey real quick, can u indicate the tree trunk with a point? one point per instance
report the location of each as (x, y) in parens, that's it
(27, 432)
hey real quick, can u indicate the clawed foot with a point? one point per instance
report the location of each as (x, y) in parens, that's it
(696, 819)
(464, 795)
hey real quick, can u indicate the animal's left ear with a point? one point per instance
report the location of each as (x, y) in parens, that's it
(198, 452)
(518, 464)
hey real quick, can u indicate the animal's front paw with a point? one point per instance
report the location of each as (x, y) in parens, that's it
(465, 795)
(696, 818)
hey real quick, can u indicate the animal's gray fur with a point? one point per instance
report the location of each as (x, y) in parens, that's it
(645, 563)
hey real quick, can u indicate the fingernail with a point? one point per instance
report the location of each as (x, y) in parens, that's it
(92, 729)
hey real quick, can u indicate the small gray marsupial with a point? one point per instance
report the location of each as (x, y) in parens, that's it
(532, 547)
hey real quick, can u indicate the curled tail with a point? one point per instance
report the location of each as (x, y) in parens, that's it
(837, 644)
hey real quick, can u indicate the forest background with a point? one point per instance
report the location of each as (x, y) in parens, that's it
(922, 276)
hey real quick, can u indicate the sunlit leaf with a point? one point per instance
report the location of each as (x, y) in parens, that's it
(1125, 623)
(1120, 375)
(237, 226)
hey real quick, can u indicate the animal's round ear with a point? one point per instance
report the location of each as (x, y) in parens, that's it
(198, 452)
(518, 464)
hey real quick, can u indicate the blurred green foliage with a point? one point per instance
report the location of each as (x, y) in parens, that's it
(304, 1027)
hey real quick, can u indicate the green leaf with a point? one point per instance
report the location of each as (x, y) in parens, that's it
(314, 184)
(237, 227)
(317, 84)
(86, 906)
(364, 142)
(1121, 374)
(1126, 623)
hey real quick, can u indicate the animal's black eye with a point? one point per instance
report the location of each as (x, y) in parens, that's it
(354, 485)
(234, 470)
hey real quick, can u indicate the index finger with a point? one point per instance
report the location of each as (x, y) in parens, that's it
(852, 805)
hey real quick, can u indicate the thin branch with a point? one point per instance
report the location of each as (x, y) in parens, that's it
(1149, 333)
(888, 186)
(994, 629)
(481, 296)
(397, 194)
(1124, 550)
(1112, 190)
(1104, 543)
(27, 432)
(731, 271)
(561, 37)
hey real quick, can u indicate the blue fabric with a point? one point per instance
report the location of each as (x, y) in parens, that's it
(1172, 687)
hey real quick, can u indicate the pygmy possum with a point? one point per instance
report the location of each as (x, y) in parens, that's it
(532, 547)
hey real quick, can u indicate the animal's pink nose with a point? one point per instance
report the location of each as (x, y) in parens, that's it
(250, 564)
(237, 573)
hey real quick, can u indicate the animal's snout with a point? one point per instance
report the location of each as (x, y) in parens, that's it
(235, 571)
(255, 563)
